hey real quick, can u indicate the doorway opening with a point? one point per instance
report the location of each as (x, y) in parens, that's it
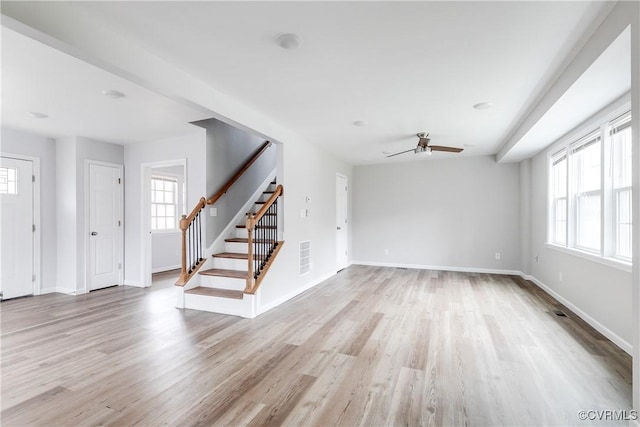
(164, 203)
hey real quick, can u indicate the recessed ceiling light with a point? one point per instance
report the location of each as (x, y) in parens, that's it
(289, 41)
(360, 123)
(114, 94)
(469, 145)
(36, 115)
(483, 105)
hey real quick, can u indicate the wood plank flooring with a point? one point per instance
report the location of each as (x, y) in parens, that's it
(371, 346)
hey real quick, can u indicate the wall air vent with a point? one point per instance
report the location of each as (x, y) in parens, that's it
(305, 257)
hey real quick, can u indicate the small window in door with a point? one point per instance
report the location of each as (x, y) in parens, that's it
(8, 180)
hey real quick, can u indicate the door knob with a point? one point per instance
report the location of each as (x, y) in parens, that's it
(94, 233)
(339, 228)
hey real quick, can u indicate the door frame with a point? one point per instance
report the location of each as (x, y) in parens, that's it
(145, 220)
(37, 235)
(346, 180)
(87, 220)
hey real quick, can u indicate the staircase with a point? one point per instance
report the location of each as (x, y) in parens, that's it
(225, 287)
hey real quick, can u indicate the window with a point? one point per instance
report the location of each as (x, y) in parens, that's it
(621, 184)
(586, 157)
(8, 180)
(164, 203)
(590, 192)
(559, 189)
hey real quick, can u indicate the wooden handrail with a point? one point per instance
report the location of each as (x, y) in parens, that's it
(253, 219)
(188, 218)
(238, 174)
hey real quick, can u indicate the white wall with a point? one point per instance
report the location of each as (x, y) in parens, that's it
(190, 147)
(305, 170)
(228, 148)
(600, 291)
(448, 213)
(165, 251)
(18, 142)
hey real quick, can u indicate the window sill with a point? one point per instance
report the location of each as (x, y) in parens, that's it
(610, 262)
(160, 232)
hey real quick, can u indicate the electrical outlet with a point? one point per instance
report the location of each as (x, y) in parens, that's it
(498, 256)
(560, 276)
(213, 211)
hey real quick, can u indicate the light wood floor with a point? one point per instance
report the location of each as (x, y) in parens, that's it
(372, 346)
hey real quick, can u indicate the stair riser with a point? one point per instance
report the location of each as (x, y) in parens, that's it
(238, 307)
(242, 233)
(223, 282)
(236, 247)
(230, 263)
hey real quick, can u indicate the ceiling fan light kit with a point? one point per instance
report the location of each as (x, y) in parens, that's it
(425, 149)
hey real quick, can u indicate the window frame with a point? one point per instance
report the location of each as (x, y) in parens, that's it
(176, 204)
(603, 129)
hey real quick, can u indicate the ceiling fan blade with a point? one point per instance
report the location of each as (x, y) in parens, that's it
(402, 152)
(443, 148)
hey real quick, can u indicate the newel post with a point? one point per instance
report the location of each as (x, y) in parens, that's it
(184, 224)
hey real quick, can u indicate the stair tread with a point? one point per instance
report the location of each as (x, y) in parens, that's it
(272, 227)
(215, 292)
(231, 255)
(244, 240)
(236, 274)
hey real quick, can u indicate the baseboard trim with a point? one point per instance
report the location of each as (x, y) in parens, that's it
(612, 336)
(264, 308)
(438, 267)
(67, 291)
(47, 291)
(135, 283)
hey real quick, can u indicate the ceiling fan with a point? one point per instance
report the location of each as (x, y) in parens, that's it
(424, 147)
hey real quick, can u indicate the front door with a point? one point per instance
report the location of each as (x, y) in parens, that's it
(342, 235)
(105, 186)
(16, 195)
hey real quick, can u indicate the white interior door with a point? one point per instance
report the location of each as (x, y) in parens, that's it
(16, 194)
(104, 226)
(342, 235)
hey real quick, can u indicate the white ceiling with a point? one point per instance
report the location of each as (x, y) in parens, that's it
(38, 78)
(404, 67)
(607, 79)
